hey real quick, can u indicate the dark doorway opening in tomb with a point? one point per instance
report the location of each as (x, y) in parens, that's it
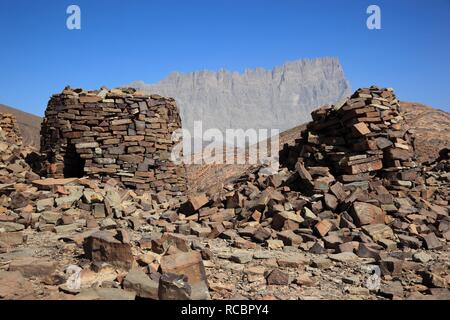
(73, 164)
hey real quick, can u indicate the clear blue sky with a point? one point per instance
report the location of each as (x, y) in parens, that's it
(122, 41)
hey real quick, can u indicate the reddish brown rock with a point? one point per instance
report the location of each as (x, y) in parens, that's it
(12, 238)
(366, 213)
(13, 286)
(102, 246)
(193, 204)
(277, 277)
(323, 227)
(189, 264)
(33, 267)
(361, 128)
(280, 220)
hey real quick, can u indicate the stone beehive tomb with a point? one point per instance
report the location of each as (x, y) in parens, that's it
(115, 133)
(9, 129)
(361, 138)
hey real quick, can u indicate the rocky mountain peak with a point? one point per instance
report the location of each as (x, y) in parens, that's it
(258, 98)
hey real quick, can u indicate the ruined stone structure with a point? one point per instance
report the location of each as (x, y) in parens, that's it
(113, 134)
(9, 129)
(359, 139)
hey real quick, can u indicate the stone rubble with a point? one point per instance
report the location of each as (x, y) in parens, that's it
(346, 201)
(10, 131)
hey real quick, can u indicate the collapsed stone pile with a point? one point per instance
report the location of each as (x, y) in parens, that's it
(12, 164)
(358, 139)
(318, 208)
(355, 187)
(10, 132)
(113, 133)
(323, 210)
(267, 211)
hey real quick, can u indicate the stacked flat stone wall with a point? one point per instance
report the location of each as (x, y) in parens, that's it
(116, 133)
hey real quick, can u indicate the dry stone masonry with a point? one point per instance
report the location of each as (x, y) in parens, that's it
(310, 231)
(119, 133)
(358, 139)
(9, 130)
(12, 164)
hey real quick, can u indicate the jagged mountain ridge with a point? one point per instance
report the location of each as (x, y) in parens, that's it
(280, 98)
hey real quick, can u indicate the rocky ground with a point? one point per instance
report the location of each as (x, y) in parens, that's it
(373, 224)
(37, 271)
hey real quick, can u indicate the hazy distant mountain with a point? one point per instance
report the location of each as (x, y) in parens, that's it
(29, 125)
(281, 98)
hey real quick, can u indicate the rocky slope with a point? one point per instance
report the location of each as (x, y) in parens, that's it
(280, 98)
(431, 126)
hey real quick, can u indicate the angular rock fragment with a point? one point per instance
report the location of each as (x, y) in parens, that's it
(13, 286)
(194, 204)
(174, 287)
(33, 267)
(391, 266)
(12, 238)
(280, 220)
(378, 231)
(140, 283)
(102, 246)
(189, 264)
(323, 227)
(366, 213)
(432, 242)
